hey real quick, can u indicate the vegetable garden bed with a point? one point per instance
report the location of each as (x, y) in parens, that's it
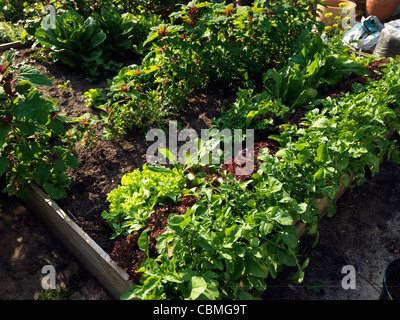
(99, 257)
(321, 120)
(89, 253)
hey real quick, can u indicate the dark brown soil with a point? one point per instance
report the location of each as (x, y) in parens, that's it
(26, 246)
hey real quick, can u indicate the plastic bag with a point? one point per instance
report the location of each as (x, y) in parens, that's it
(389, 41)
(369, 42)
(364, 35)
(395, 24)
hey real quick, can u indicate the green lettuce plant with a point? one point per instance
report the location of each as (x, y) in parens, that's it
(133, 202)
(73, 41)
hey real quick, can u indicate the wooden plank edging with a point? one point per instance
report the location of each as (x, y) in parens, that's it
(322, 205)
(87, 251)
(14, 45)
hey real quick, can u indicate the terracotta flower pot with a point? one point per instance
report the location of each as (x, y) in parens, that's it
(383, 9)
(333, 8)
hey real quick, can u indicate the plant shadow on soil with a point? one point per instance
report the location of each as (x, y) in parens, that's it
(363, 233)
(26, 246)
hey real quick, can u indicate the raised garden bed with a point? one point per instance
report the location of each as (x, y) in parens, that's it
(85, 209)
(76, 220)
(93, 257)
(102, 167)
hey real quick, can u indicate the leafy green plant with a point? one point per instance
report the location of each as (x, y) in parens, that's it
(34, 145)
(14, 10)
(100, 67)
(315, 287)
(73, 41)
(11, 33)
(75, 282)
(94, 97)
(140, 191)
(86, 8)
(118, 31)
(142, 24)
(160, 7)
(238, 232)
(66, 86)
(309, 73)
(312, 67)
(208, 251)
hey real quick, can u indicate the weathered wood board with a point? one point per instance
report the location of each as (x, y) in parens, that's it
(88, 252)
(14, 45)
